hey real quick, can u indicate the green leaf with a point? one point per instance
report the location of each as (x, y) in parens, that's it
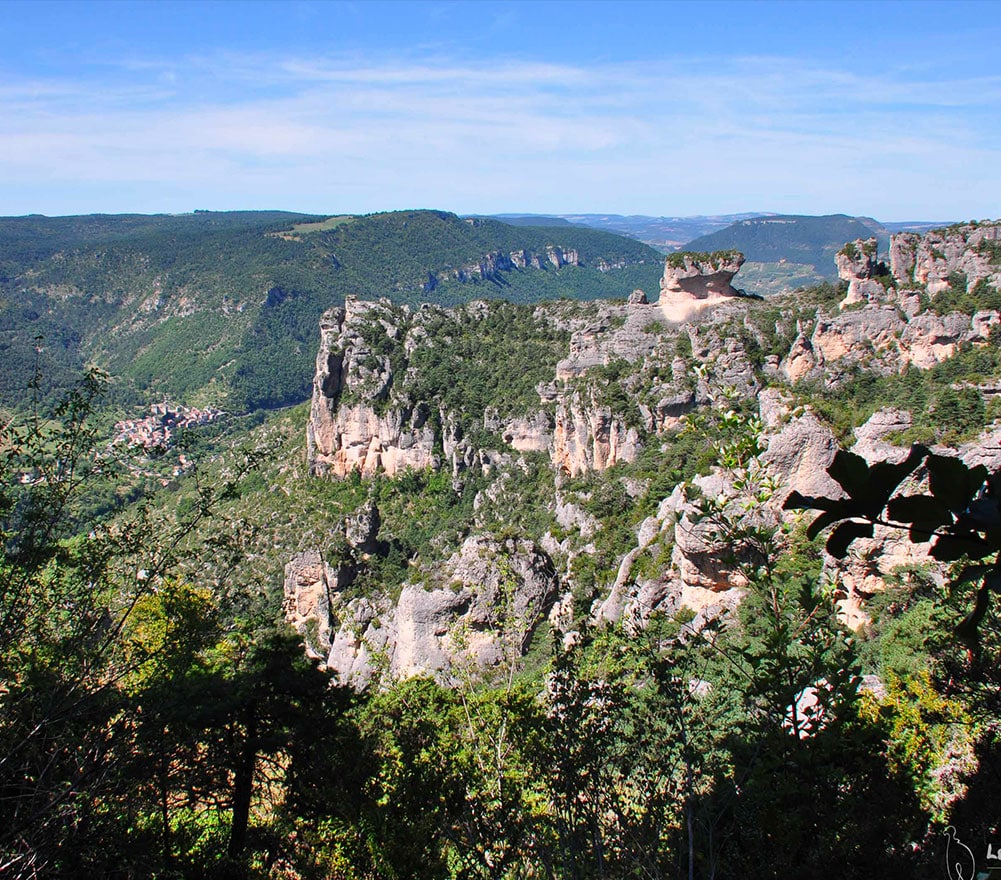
(844, 534)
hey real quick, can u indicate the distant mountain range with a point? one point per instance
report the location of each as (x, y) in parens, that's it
(666, 234)
(802, 240)
(221, 308)
(783, 251)
(679, 233)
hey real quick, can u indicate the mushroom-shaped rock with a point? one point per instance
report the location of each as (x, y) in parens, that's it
(692, 281)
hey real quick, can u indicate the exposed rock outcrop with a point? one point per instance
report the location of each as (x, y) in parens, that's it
(489, 598)
(971, 249)
(881, 338)
(588, 436)
(625, 377)
(857, 264)
(693, 282)
(349, 427)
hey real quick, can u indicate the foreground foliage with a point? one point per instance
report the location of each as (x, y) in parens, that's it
(156, 723)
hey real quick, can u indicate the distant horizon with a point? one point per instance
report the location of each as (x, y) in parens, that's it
(646, 108)
(494, 214)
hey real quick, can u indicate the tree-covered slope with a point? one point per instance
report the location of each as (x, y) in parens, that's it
(804, 240)
(223, 306)
(557, 549)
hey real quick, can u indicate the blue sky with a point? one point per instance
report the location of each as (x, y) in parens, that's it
(886, 109)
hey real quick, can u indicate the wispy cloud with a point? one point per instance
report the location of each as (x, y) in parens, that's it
(330, 134)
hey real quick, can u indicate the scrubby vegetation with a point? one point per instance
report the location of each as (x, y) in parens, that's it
(203, 744)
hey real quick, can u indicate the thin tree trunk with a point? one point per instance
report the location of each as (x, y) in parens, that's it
(243, 784)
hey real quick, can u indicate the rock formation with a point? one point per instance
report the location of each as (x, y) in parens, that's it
(857, 264)
(482, 612)
(694, 281)
(622, 377)
(972, 251)
(348, 428)
(589, 436)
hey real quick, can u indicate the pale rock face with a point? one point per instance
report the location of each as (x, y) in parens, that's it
(985, 450)
(365, 441)
(587, 436)
(774, 407)
(866, 569)
(343, 436)
(690, 285)
(490, 599)
(801, 362)
(531, 433)
(799, 455)
(880, 337)
(313, 584)
(873, 328)
(930, 259)
(698, 558)
(982, 324)
(570, 516)
(309, 585)
(726, 355)
(930, 339)
(610, 610)
(857, 265)
(617, 331)
(869, 438)
(358, 648)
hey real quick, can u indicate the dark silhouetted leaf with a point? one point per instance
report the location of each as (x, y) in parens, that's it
(956, 545)
(983, 514)
(850, 471)
(966, 629)
(953, 483)
(885, 478)
(829, 518)
(924, 509)
(844, 534)
(796, 501)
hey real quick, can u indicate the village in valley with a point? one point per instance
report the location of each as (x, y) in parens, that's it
(157, 432)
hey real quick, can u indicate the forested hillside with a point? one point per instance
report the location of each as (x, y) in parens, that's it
(530, 590)
(810, 241)
(222, 308)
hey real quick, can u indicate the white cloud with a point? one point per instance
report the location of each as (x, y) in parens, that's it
(695, 135)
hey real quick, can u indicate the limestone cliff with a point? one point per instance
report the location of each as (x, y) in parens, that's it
(857, 264)
(350, 426)
(482, 610)
(972, 250)
(558, 439)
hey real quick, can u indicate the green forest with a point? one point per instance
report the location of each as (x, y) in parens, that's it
(222, 307)
(160, 720)
(160, 717)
